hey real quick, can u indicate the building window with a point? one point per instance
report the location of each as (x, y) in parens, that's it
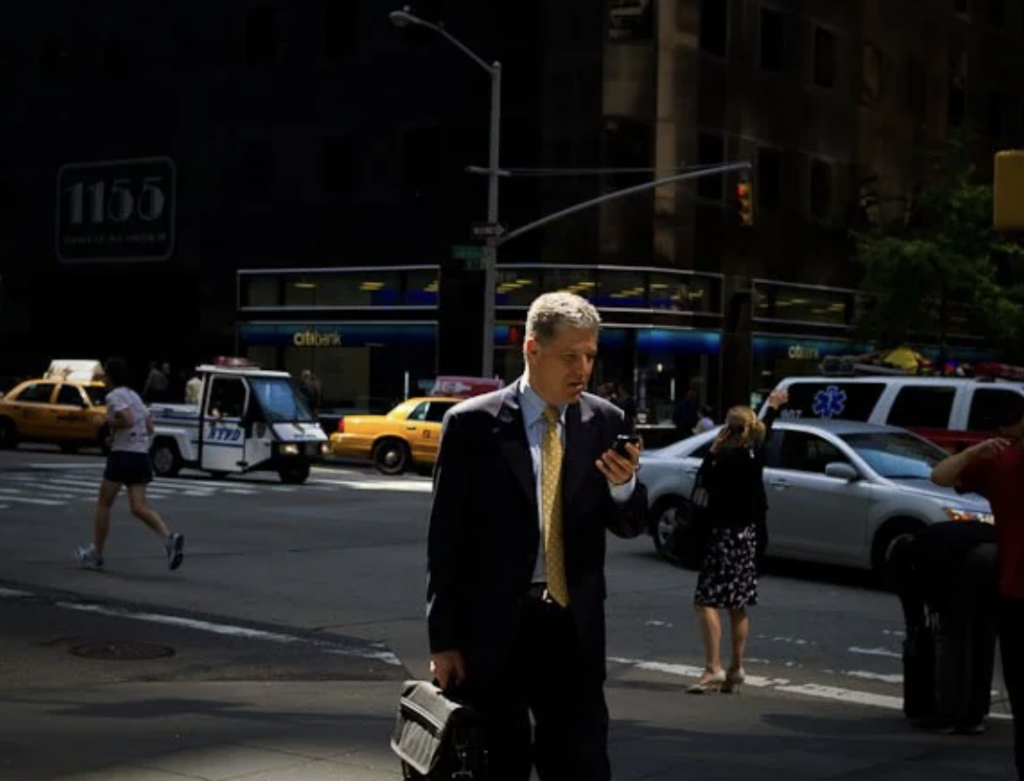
(773, 40)
(630, 20)
(115, 57)
(185, 48)
(337, 164)
(824, 58)
(261, 35)
(627, 143)
(956, 102)
(769, 178)
(917, 89)
(420, 163)
(714, 27)
(54, 59)
(257, 167)
(821, 191)
(340, 27)
(710, 151)
(871, 75)
(997, 13)
(995, 116)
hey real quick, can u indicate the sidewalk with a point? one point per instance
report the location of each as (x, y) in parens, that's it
(319, 730)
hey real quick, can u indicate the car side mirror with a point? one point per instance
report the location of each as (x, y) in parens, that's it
(842, 471)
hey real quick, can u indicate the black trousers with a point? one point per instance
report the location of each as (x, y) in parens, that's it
(965, 643)
(569, 739)
(1011, 648)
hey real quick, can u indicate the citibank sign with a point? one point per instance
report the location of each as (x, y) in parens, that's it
(312, 338)
(798, 352)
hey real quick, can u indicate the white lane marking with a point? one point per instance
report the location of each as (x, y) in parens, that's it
(875, 652)
(13, 592)
(230, 630)
(4, 507)
(844, 695)
(82, 487)
(689, 671)
(869, 676)
(194, 483)
(834, 693)
(30, 500)
(790, 640)
(384, 485)
(76, 465)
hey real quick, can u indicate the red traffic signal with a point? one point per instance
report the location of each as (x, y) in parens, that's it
(745, 195)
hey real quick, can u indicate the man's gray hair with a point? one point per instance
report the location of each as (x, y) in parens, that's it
(551, 311)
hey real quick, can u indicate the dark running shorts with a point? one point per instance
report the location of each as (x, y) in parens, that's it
(128, 468)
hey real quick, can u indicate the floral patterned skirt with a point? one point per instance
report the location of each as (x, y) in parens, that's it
(728, 573)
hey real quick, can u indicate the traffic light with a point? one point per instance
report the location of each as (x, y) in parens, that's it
(745, 195)
(1008, 192)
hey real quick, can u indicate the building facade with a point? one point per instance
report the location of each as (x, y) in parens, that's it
(152, 151)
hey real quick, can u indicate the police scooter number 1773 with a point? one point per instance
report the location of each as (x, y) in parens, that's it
(223, 434)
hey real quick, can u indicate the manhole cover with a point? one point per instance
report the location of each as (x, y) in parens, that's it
(122, 652)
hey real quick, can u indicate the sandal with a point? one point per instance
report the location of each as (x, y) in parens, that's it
(708, 682)
(733, 679)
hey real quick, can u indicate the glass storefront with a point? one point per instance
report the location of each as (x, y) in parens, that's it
(818, 324)
(778, 357)
(387, 288)
(360, 366)
(365, 363)
(654, 365)
(611, 288)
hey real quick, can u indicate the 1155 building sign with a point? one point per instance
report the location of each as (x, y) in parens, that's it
(121, 210)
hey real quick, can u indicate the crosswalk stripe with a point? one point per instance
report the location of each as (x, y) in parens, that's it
(81, 487)
(53, 487)
(11, 494)
(30, 500)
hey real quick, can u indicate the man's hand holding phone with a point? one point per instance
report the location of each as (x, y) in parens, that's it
(620, 462)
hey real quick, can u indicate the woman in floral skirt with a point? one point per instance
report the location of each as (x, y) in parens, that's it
(733, 474)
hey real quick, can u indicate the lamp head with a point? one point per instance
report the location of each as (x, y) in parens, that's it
(403, 18)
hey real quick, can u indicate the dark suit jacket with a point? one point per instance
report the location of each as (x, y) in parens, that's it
(484, 527)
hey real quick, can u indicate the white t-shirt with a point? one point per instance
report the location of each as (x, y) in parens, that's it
(704, 424)
(135, 438)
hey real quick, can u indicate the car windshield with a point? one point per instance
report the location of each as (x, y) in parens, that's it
(97, 395)
(280, 400)
(898, 455)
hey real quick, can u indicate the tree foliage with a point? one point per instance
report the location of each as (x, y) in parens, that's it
(943, 258)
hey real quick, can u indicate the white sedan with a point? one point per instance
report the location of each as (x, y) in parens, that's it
(839, 492)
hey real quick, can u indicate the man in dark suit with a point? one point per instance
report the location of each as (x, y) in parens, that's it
(525, 486)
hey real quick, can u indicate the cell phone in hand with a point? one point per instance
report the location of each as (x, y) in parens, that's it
(622, 440)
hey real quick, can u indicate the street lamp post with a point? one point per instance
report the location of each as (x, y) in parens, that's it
(405, 18)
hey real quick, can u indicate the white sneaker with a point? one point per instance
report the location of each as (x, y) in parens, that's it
(87, 556)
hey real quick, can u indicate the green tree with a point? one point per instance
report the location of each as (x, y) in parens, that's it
(944, 253)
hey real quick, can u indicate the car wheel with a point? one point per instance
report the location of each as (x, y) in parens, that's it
(670, 522)
(887, 539)
(295, 473)
(391, 456)
(8, 434)
(166, 458)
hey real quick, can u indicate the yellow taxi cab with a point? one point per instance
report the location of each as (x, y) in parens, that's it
(65, 407)
(407, 437)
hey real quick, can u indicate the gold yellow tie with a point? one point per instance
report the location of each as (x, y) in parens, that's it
(551, 498)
